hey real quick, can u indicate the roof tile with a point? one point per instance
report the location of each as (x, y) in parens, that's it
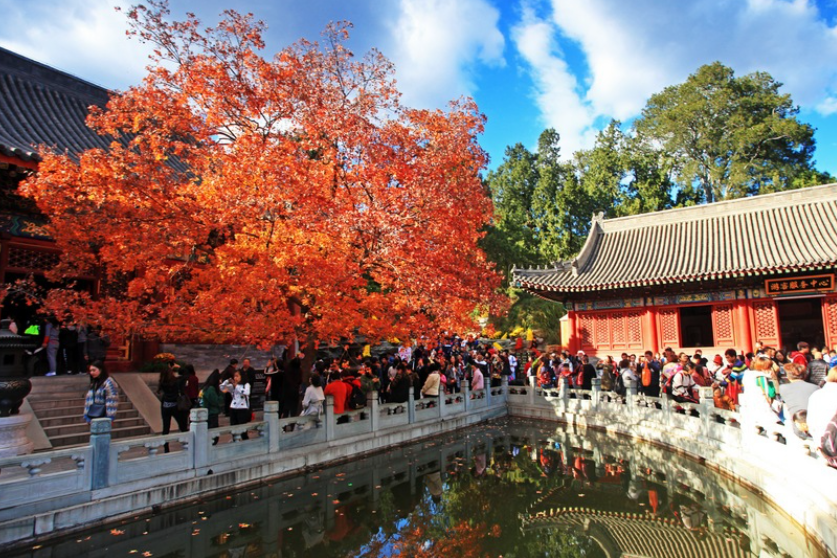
(787, 231)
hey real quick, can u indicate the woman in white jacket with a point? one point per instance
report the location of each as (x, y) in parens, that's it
(312, 403)
(240, 406)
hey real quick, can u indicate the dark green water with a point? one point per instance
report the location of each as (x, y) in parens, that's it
(509, 488)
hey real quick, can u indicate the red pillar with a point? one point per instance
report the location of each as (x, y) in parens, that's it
(742, 325)
(650, 339)
(569, 339)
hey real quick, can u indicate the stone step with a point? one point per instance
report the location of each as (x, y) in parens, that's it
(81, 427)
(71, 408)
(57, 420)
(52, 402)
(65, 440)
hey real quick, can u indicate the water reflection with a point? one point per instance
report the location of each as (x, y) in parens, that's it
(511, 488)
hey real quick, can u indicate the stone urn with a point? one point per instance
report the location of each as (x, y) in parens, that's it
(14, 387)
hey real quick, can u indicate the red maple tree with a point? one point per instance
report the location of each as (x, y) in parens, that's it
(256, 200)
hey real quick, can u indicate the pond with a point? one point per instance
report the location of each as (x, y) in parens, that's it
(508, 488)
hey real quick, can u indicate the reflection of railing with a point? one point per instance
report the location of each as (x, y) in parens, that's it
(751, 445)
(165, 469)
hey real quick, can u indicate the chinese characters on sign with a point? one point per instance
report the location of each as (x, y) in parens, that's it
(793, 285)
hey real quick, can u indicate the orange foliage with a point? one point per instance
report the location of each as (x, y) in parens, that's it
(242, 187)
(417, 540)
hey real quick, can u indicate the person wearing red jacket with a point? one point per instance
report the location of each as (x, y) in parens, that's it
(340, 390)
(800, 355)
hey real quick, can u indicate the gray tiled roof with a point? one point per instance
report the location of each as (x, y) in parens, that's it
(766, 235)
(42, 105)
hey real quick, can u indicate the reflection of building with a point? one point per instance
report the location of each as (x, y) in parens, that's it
(622, 534)
(712, 277)
(40, 106)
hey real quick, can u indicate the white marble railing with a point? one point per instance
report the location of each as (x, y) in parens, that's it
(36, 487)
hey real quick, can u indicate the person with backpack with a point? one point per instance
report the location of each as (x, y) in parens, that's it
(683, 386)
(649, 375)
(822, 406)
(625, 377)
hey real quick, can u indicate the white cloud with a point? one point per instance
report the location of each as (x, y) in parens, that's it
(557, 92)
(635, 49)
(828, 106)
(437, 45)
(83, 37)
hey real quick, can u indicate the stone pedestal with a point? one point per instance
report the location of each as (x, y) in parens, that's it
(13, 440)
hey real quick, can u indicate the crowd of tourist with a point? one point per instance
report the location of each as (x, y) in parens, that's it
(799, 388)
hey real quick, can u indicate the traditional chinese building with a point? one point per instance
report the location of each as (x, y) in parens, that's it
(716, 276)
(40, 105)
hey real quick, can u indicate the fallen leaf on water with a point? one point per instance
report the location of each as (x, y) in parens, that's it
(116, 532)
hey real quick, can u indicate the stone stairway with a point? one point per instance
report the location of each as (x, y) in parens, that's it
(58, 403)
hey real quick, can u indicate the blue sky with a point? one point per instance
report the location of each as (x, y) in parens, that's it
(530, 64)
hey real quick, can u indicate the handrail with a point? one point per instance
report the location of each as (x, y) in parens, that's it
(138, 463)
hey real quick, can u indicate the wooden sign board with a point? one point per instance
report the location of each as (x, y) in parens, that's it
(794, 285)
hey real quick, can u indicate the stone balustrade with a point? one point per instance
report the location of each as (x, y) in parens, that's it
(61, 491)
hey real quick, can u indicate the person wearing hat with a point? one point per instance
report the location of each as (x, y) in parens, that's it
(716, 368)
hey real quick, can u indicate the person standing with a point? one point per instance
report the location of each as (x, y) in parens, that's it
(239, 388)
(97, 344)
(226, 376)
(273, 372)
(291, 382)
(212, 400)
(192, 387)
(51, 345)
(432, 383)
(477, 378)
(102, 400)
(68, 347)
(170, 388)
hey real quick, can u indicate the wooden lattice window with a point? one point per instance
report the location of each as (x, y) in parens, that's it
(633, 327)
(602, 335)
(585, 330)
(722, 325)
(766, 323)
(29, 259)
(669, 327)
(617, 321)
(829, 308)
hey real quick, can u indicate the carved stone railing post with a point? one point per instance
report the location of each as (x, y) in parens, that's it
(466, 394)
(271, 417)
(707, 403)
(100, 449)
(504, 389)
(530, 391)
(564, 392)
(199, 429)
(411, 407)
(442, 412)
(597, 392)
(372, 406)
(330, 421)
